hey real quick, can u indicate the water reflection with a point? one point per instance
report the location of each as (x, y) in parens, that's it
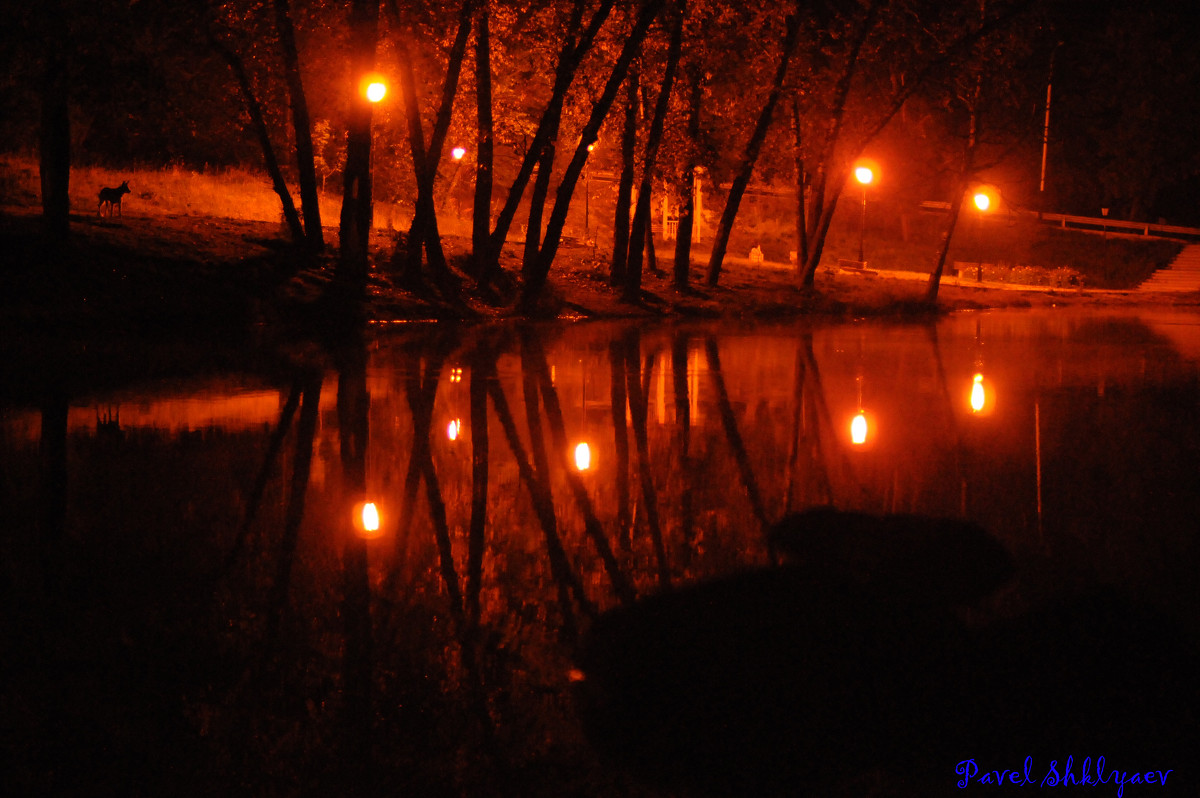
(291, 640)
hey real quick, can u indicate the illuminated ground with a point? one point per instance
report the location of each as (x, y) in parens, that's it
(176, 269)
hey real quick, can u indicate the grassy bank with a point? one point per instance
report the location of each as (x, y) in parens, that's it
(1009, 248)
(176, 191)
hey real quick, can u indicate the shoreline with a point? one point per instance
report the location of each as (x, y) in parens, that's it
(202, 273)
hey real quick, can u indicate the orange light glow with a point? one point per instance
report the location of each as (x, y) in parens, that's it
(583, 457)
(864, 175)
(858, 429)
(983, 201)
(367, 520)
(454, 429)
(376, 91)
(977, 394)
(458, 153)
(456, 374)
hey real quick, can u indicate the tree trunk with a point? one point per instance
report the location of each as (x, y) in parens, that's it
(357, 210)
(290, 216)
(531, 290)
(424, 230)
(753, 147)
(537, 203)
(481, 216)
(54, 133)
(569, 59)
(819, 231)
(620, 259)
(641, 234)
(801, 220)
(956, 201)
(683, 234)
(314, 238)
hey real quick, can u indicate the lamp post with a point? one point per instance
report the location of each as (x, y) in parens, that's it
(982, 203)
(587, 192)
(864, 175)
(457, 154)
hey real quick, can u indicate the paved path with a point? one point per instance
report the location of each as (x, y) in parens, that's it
(1182, 275)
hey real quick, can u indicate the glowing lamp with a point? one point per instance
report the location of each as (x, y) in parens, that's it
(454, 429)
(458, 153)
(858, 429)
(982, 201)
(376, 91)
(366, 520)
(583, 457)
(864, 175)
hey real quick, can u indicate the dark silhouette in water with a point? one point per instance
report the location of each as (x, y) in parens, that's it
(849, 670)
(930, 561)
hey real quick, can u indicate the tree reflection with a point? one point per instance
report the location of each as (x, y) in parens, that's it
(729, 422)
(636, 384)
(421, 387)
(683, 424)
(616, 360)
(482, 364)
(353, 406)
(305, 434)
(567, 581)
(533, 362)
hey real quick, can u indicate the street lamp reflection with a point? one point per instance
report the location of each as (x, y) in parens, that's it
(366, 520)
(982, 201)
(858, 429)
(583, 457)
(982, 397)
(977, 395)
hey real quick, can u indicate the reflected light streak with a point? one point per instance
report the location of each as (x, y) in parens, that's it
(367, 520)
(583, 457)
(453, 429)
(858, 429)
(977, 394)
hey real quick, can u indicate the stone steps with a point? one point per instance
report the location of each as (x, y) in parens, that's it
(1182, 275)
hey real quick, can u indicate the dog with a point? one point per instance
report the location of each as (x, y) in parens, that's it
(112, 198)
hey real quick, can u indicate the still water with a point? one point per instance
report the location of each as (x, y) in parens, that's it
(193, 604)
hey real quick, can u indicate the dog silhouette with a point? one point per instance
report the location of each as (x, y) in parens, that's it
(112, 198)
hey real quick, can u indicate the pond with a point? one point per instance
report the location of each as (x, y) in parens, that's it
(595, 566)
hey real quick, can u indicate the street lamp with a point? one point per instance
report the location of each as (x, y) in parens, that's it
(457, 153)
(375, 89)
(865, 175)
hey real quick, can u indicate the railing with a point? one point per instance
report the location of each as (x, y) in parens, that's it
(1089, 223)
(1105, 224)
